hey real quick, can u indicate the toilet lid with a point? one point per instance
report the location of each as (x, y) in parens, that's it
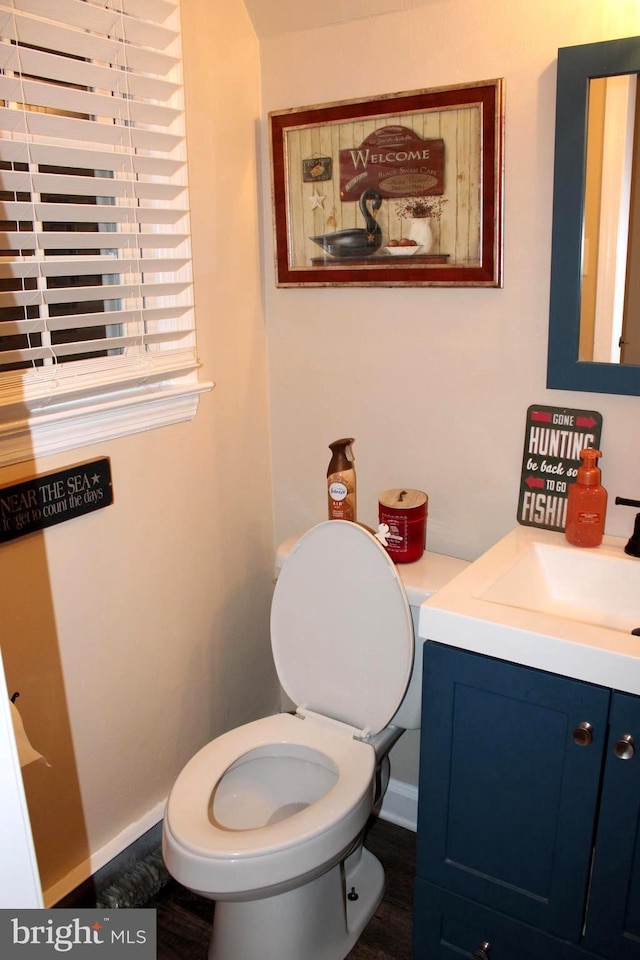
(341, 628)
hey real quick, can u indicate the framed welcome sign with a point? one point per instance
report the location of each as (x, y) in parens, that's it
(398, 190)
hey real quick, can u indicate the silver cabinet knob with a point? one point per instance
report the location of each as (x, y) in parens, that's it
(583, 734)
(624, 748)
(482, 952)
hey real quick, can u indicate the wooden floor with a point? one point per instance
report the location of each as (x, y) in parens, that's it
(184, 920)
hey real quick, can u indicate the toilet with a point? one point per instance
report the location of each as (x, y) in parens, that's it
(268, 819)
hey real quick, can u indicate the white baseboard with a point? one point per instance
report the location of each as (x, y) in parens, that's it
(103, 856)
(400, 804)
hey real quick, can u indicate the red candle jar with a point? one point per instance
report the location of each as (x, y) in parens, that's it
(405, 513)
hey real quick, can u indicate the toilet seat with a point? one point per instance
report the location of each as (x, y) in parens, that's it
(273, 854)
(341, 627)
(342, 639)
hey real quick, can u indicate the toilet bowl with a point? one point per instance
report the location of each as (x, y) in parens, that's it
(266, 807)
(268, 819)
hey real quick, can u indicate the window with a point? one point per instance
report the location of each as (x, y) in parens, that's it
(97, 330)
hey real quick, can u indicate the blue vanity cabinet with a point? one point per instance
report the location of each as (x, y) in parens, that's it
(450, 928)
(613, 917)
(515, 792)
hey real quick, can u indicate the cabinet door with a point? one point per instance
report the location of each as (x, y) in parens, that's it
(613, 917)
(507, 797)
(447, 927)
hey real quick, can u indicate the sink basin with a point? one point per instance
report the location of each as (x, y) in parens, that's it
(592, 587)
(536, 600)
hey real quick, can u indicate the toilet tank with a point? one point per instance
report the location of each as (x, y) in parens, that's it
(421, 579)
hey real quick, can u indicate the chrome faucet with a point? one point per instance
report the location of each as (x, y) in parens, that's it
(633, 546)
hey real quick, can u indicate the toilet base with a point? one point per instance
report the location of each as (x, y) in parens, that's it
(316, 921)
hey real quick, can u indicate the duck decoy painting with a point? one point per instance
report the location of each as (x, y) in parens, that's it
(356, 241)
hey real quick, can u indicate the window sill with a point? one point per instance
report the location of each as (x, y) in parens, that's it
(41, 433)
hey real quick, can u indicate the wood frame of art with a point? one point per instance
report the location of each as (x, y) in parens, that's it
(404, 189)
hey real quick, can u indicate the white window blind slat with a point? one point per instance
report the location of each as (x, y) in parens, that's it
(18, 268)
(23, 241)
(120, 343)
(23, 181)
(95, 273)
(37, 63)
(36, 125)
(18, 327)
(89, 294)
(105, 187)
(155, 11)
(78, 43)
(84, 213)
(89, 265)
(24, 355)
(35, 93)
(28, 267)
(119, 162)
(106, 265)
(151, 315)
(106, 20)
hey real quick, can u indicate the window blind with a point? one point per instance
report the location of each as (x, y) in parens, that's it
(95, 273)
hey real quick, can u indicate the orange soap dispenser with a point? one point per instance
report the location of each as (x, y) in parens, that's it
(587, 503)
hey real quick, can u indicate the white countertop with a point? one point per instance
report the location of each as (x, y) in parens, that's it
(459, 616)
(428, 574)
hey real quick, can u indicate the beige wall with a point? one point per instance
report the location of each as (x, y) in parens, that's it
(137, 633)
(435, 383)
